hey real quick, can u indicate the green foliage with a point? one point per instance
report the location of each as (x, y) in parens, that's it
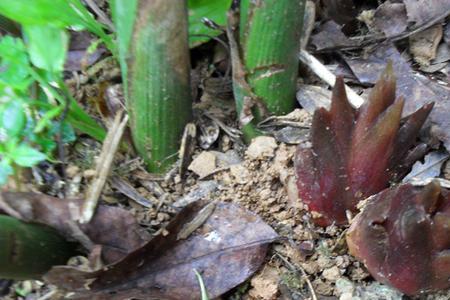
(27, 126)
(213, 10)
(32, 91)
(204, 292)
(55, 13)
(45, 55)
(58, 13)
(14, 64)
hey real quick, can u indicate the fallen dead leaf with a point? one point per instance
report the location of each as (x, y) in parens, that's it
(423, 45)
(113, 228)
(390, 18)
(416, 89)
(447, 33)
(329, 36)
(431, 167)
(228, 248)
(420, 12)
(312, 97)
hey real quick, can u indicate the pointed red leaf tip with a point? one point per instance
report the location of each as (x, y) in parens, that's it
(355, 154)
(403, 237)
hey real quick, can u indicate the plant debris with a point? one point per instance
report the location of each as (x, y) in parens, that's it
(114, 228)
(232, 241)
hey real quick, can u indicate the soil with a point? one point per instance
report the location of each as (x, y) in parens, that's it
(308, 262)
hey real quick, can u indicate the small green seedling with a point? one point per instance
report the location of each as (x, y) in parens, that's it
(204, 292)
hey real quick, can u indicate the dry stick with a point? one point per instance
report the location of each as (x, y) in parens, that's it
(320, 70)
(372, 39)
(101, 15)
(422, 182)
(104, 163)
(49, 295)
(197, 221)
(294, 268)
(77, 234)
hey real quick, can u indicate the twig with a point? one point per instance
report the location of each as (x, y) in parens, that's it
(381, 38)
(77, 234)
(187, 147)
(197, 221)
(125, 188)
(421, 182)
(101, 15)
(104, 163)
(305, 276)
(49, 295)
(320, 70)
(232, 132)
(215, 171)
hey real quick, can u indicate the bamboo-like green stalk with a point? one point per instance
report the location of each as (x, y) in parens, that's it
(27, 251)
(159, 98)
(269, 41)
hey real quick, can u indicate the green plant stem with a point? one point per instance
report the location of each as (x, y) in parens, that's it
(29, 250)
(269, 42)
(159, 98)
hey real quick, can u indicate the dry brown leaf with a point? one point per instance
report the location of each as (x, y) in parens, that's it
(423, 45)
(390, 18)
(228, 248)
(420, 11)
(416, 89)
(329, 36)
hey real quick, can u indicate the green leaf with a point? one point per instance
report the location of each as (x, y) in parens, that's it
(124, 13)
(41, 12)
(68, 134)
(13, 118)
(46, 119)
(213, 10)
(47, 46)
(5, 171)
(14, 63)
(56, 13)
(26, 156)
(46, 143)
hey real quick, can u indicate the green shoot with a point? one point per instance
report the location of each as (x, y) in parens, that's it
(204, 292)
